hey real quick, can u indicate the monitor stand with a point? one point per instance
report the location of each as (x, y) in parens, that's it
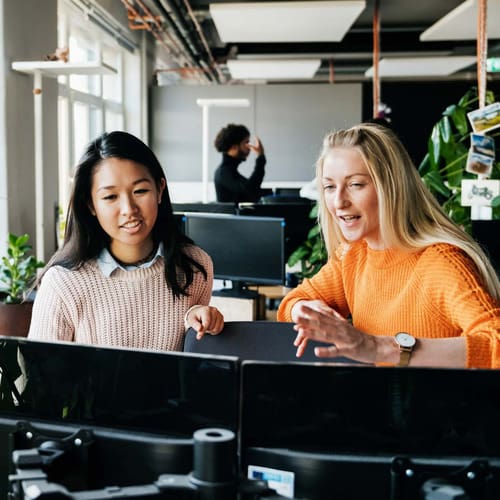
(239, 290)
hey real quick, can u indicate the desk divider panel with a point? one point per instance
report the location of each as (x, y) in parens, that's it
(142, 407)
(332, 431)
(314, 430)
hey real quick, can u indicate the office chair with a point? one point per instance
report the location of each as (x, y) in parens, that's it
(256, 340)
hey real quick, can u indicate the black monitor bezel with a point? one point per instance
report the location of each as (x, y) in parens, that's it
(256, 279)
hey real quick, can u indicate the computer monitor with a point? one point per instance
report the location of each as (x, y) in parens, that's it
(298, 222)
(123, 416)
(246, 250)
(326, 431)
(211, 207)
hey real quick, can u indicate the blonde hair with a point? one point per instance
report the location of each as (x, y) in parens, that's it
(410, 218)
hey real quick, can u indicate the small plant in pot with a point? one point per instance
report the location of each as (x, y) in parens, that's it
(17, 272)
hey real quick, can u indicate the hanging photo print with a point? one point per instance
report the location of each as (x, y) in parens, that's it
(481, 155)
(479, 191)
(485, 119)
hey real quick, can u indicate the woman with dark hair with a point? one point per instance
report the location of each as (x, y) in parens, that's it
(233, 141)
(125, 276)
(403, 284)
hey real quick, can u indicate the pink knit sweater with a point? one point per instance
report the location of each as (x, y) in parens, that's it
(434, 293)
(134, 309)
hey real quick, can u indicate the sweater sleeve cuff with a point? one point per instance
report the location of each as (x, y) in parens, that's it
(479, 351)
(192, 308)
(285, 312)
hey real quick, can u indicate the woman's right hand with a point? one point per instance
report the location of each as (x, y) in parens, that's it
(205, 319)
(315, 320)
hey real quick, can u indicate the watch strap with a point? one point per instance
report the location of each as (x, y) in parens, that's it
(404, 356)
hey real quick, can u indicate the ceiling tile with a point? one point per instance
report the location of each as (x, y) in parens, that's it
(313, 21)
(422, 66)
(273, 69)
(461, 23)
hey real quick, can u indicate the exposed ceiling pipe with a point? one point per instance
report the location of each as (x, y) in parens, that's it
(331, 71)
(184, 36)
(177, 18)
(99, 16)
(159, 27)
(134, 17)
(212, 61)
(149, 22)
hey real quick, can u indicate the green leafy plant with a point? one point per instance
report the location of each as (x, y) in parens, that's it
(312, 253)
(17, 269)
(442, 170)
(443, 167)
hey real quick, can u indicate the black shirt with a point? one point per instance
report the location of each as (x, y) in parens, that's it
(231, 186)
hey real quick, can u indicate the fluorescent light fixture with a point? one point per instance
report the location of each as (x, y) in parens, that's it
(56, 68)
(266, 69)
(313, 21)
(422, 66)
(461, 23)
(224, 103)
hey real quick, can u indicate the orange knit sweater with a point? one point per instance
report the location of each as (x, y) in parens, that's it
(433, 293)
(134, 309)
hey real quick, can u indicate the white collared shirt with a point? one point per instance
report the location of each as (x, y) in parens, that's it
(107, 263)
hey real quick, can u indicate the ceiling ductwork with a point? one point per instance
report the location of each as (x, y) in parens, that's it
(194, 47)
(183, 53)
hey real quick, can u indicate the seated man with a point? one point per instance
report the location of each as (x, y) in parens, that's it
(233, 142)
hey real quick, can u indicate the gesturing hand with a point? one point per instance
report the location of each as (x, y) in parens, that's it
(317, 321)
(257, 147)
(205, 319)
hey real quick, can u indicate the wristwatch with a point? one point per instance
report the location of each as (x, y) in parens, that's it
(406, 343)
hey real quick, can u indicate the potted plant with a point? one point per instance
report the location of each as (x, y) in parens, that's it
(442, 170)
(17, 271)
(311, 254)
(443, 167)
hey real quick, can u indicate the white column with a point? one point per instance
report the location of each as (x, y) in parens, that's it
(39, 201)
(205, 104)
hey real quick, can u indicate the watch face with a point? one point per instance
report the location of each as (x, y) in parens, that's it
(405, 339)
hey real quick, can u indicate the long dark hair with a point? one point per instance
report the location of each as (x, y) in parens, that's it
(84, 237)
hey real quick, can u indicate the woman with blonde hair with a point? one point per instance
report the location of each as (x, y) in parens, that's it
(403, 283)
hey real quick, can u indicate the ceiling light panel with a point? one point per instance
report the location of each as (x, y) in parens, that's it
(273, 69)
(422, 66)
(313, 21)
(461, 23)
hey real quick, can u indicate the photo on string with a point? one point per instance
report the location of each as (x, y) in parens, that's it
(485, 119)
(479, 164)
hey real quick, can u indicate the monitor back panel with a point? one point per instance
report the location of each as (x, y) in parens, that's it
(338, 428)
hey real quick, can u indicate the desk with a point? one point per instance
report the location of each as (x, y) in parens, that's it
(240, 308)
(251, 309)
(272, 295)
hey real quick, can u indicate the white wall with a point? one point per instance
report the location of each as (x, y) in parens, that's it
(291, 121)
(4, 209)
(29, 32)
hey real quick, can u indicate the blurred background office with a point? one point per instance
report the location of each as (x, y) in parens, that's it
(142, 65)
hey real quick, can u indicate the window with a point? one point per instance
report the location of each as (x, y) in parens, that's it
(88, 104)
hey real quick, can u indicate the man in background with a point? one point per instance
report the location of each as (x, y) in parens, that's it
(233, 141)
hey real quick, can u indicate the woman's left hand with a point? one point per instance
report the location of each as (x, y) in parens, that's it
(329, 326)
(205, 319)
